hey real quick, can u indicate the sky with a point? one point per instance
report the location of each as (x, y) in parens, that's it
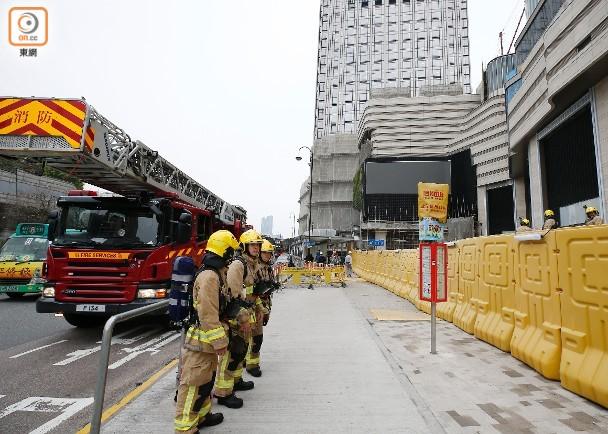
(225, 90)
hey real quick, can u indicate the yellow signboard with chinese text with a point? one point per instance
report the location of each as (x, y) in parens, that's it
(433, 201)
(43, 117)
(112, 256)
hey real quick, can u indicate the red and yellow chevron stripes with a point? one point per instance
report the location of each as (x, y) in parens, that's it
(45, 117)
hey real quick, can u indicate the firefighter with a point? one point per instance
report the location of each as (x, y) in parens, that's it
(264, 285)
(241, 274)
(206, 338)
(550, 222)
(524, 225)
(593, 216)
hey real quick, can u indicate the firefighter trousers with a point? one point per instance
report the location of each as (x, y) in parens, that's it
(230, 369)
(194, 391)
(255, 343)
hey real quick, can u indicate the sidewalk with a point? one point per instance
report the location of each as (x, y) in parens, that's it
(329, 366)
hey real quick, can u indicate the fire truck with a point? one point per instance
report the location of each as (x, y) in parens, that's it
(110, 253)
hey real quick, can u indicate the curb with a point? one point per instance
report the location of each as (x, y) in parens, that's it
(108, 413)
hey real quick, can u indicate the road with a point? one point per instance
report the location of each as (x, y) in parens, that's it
(49, 367)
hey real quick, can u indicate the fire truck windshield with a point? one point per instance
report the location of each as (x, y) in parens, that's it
(108, 227)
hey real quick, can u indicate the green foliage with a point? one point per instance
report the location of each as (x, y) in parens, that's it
(56, 174)
(35, 168)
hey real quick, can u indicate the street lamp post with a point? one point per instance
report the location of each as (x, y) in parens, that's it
(299, 158)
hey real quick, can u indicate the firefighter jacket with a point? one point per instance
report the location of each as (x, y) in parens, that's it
(524, 229)
(208, 334)
(265, 274)
(597, 220)
(241, 275)
(550, 224)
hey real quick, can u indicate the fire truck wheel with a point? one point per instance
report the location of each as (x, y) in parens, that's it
(84, 321)
(15, 294)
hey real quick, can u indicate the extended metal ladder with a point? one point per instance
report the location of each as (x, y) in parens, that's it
(71, 136)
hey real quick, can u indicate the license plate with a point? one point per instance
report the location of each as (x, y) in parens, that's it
(90, 308)
(9, 288)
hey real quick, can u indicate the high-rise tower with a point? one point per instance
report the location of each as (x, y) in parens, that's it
(365, 45)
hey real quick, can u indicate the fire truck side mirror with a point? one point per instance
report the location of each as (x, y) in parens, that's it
(52, 219)
(184, 228)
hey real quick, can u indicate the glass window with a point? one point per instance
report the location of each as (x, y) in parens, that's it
(203, 227)
(109, 226)
(23, 249)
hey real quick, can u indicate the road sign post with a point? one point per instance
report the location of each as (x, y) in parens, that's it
(433, 281)
(375, 243)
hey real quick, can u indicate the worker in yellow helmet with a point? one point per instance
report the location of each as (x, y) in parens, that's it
(206, 339)
(241, 278)
(524, 225)
(550, 222)
(593, 216)
(262, 290)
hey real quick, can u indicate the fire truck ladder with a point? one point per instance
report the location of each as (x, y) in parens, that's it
(107, 157)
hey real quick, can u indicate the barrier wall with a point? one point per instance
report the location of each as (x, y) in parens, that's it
(544, 301)
(466, 302)
(446, 310)
(536, 338)
(495, 301)
(582, 268)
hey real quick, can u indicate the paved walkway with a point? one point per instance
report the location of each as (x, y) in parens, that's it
(330, 367)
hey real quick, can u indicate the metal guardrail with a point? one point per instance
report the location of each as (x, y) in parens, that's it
(104, 357)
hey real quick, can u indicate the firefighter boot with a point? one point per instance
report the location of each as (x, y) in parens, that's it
(255, 371)
(243, 385)
(211, 419)
(230, 401)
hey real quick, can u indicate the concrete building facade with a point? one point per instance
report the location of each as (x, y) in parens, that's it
(469, 130)
(335, 163)
(412, 46)
(366, 45)
(558, 111)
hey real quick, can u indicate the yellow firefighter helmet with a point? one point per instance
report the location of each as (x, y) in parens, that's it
(223, 243)
(250, 237)
(267, 247)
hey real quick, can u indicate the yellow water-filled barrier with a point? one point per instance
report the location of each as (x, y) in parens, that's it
(536, 337)
(446, 310)
(583, 278)
(495, 303)
(544, 300)
(314, 275)
(403, 287)
(391, 271)
(466, 309)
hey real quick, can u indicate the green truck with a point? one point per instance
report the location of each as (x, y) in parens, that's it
(22, 259)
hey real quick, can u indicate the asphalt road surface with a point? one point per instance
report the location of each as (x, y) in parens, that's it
(48, 367)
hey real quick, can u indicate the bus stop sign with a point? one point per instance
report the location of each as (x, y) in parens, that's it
(433, 272)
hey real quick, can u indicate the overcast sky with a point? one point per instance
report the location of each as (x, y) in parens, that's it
(223, 89)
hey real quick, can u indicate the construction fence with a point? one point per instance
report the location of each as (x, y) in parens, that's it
(544, 301)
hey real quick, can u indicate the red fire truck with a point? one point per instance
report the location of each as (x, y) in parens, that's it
(110, 253)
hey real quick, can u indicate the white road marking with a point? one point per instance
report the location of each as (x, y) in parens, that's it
(66, 406)
(153, 346)
(2, 396)
(36, 349)
(117, 340)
